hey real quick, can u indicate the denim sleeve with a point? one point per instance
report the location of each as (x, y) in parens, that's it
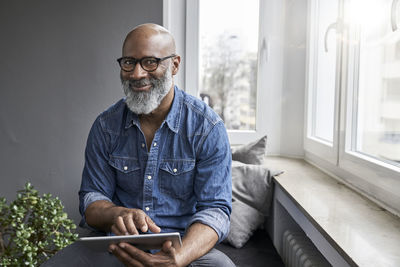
(214, 218)
(213, 183)
(98, 181)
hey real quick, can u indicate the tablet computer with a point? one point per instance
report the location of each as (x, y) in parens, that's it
(142, 241)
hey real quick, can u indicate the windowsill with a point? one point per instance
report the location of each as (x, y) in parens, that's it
(362, 233)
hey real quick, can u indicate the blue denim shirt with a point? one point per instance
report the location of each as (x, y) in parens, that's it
(184, 178)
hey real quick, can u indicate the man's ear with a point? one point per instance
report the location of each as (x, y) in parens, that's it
(176, 61)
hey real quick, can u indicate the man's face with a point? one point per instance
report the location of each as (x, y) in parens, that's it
(145, 95)
(145, 90)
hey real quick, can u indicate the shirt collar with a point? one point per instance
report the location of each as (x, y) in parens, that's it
(131, 118)
(173, 118)
(174, 115)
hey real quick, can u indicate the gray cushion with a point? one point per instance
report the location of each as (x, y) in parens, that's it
(244, 221)
(252, 153)
(251, 200)
(252, 185)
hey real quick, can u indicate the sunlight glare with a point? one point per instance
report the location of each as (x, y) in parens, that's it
(365, 14)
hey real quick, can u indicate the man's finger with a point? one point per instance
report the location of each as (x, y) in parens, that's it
(152, 225)
(120, 225)
(134, 252)
(124, 257)
(166, 247)
(130, 225)
(115, 230)
(140, 221)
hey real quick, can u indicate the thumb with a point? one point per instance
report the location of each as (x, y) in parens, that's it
(167, 247)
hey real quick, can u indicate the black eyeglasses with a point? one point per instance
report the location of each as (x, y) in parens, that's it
(147, 63)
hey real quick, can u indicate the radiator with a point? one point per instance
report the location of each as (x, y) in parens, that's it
(299, 251)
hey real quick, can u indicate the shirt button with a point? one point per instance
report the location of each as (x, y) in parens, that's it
(155, 144)
(149, 177)
(174, 170)
(147, 208)
(125, 168)
(143, 145)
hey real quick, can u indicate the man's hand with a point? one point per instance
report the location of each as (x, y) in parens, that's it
(128, 221)
(198, 240)
(132, 256)
(106, 216)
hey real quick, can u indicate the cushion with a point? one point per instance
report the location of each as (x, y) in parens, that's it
(251, 200)
(252, 185)
(252, 153)
(244, 221)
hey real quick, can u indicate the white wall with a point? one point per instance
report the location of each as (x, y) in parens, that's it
(293, 86)
(58, 71)
(176, 24)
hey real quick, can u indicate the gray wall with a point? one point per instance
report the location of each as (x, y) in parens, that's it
(57, 73)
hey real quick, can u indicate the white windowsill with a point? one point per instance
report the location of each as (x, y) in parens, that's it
(358, 230)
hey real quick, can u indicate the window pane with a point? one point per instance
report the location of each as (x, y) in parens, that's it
(324, 69)
(228, 59)
(378, 110)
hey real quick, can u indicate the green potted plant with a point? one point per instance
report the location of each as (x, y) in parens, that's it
(33, 228)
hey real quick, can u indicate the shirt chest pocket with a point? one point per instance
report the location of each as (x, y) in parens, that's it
(128, 175)
(177, 178)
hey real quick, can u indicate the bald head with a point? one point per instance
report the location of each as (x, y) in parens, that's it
(149, 38)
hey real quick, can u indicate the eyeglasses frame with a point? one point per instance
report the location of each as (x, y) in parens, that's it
(135, 61)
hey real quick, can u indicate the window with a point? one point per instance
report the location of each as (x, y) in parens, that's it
(228, 51)
(324, 70)
(376, 81)
(323, 78)
(352, 83)
(353, 102)
(223, 61)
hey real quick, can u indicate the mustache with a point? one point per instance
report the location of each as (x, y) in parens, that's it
(139, 83)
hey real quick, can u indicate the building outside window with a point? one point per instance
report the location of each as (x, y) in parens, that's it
(228, 50)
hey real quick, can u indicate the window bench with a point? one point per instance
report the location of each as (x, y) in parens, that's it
(347, 228)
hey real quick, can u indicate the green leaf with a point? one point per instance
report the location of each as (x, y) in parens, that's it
(37, 223)
(28, 186)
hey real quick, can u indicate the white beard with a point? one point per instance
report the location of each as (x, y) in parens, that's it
(146, 102)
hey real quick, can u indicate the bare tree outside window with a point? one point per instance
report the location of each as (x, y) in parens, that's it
(228, 66)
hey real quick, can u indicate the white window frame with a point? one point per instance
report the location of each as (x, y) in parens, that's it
(384, 177)
(376, 179)
(328, 151)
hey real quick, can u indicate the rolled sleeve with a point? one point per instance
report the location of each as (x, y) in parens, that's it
(214, 218)
(88, 199)
(91, 197)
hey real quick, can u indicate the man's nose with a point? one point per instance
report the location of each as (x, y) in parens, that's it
(138, 72)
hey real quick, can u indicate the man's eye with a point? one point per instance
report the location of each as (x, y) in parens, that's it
(150, 61)
(128, 62)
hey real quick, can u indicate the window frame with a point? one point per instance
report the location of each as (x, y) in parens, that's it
(371, 177)
(313, 144)
(350, 160)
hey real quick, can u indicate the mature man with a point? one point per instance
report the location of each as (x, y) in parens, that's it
(158, 161)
